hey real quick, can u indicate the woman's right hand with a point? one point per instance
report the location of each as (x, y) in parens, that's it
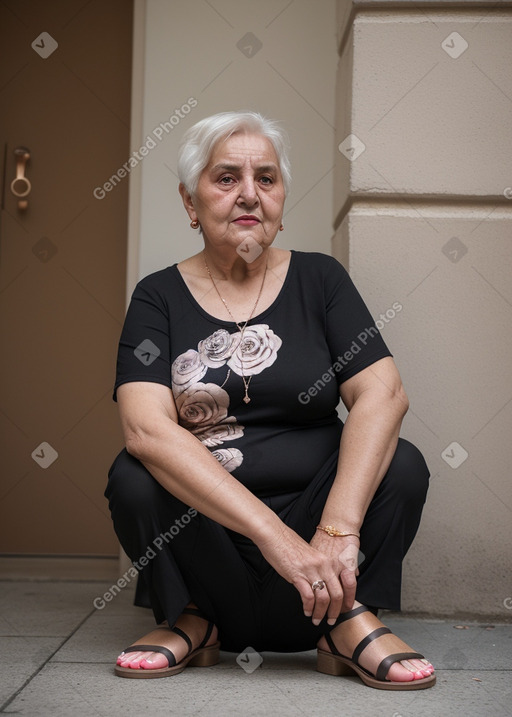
(301, 565)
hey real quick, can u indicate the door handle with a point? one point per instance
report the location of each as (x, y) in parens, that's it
(20, 185)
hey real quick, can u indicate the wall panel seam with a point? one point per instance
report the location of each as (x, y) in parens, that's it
(399, 10)
(367, 201)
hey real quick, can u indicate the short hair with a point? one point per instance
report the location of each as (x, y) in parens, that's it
(199, 141)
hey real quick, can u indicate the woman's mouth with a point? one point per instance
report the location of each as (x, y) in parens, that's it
(247, 220)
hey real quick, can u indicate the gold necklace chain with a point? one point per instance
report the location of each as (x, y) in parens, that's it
(240, 328)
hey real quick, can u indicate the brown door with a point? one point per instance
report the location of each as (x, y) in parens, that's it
(65, 70)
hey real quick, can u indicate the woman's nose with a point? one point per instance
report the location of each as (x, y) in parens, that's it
(248, 194)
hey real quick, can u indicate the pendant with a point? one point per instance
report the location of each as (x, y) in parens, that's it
(246, 399)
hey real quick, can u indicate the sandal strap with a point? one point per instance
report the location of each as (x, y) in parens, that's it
(351, 613)
(183, 635)
(341, 618)
(177, 631)
(366, 641)
(383, 668)
(331, 644)
(207, 635)
(195, 611)
(153, 648)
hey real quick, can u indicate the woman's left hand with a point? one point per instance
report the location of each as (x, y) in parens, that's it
(346, 551)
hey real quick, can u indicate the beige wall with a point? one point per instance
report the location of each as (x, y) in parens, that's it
(423, 216)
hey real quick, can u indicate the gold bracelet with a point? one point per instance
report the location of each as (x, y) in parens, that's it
(335, 533)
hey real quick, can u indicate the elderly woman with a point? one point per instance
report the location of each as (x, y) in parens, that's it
(257, 519)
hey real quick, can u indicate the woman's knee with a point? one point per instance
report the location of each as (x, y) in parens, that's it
(408, 472)
(130, 483)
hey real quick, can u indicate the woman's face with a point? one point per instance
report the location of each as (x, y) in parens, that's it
(240, 193)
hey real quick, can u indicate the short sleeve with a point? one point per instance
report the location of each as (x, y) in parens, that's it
(144, 347)
(353, 338)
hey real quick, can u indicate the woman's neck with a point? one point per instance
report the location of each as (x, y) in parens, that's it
(236, 266)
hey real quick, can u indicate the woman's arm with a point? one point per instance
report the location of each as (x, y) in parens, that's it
(182, 465)
(188, 470)
(377, 403)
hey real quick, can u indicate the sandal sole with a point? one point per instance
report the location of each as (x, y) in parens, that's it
(330, 664)
(203, 657)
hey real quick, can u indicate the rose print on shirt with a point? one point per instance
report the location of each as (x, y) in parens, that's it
(187, 369)
(217, 348)
(229, 458)
(215, 435)
(203, 407)
(257, 350)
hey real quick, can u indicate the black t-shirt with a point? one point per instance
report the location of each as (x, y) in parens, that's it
(316, 334)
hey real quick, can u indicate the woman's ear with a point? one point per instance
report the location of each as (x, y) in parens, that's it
(187, 201)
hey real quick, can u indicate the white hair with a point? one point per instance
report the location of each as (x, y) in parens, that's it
(199, 141)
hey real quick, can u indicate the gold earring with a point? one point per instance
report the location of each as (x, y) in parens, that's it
(194, 223)
(281, 228)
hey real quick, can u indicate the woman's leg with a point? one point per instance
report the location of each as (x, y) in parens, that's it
(389, 527)
(147, 523)
(184, 559)
(387, 532)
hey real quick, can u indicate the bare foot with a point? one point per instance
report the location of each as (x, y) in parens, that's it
(347, 635)
(192, 625)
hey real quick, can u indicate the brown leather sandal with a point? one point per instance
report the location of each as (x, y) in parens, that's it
(334, 663)
(200, 657)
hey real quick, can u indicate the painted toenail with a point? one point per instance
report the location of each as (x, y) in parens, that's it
(408, 665)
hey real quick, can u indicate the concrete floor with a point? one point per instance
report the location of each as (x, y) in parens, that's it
(58, 653)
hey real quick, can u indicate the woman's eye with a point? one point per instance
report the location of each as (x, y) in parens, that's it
(266, 180)
(226, 180)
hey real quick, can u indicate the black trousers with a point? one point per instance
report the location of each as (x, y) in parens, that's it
(184, 556)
